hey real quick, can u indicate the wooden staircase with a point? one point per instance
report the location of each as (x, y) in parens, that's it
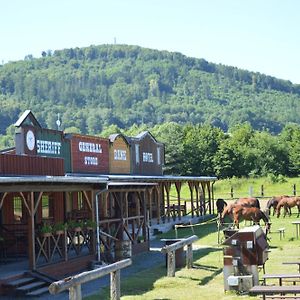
(29, 284)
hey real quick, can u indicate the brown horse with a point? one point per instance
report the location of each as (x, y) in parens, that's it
(288, 203)
(248, 201)
(250, 214)
(245, 202)
(273, 202)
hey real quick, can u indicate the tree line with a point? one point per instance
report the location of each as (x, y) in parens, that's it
(98, 86)
(204, 150)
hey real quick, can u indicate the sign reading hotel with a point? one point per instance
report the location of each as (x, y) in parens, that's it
(147, 157)
(89, 154)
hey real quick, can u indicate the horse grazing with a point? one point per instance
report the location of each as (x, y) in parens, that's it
(273, 202)
(288, 203)
(250, 214)
(245, 202)
(220, 203)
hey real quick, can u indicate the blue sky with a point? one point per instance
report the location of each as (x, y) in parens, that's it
(257, 35)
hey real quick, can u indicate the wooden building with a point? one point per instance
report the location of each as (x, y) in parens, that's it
(119, 154)
(59, 205)
(89, 154)
(147, 155)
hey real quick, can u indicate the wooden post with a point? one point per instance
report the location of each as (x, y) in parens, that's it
(189, 256)
(115, 291)
(191, 186)
(294, 189)
(167, 188)
(262, 190)
(75, 292)
(31, 233)
(178, 188)
(197, 198)
(171, 263)
(231, 192)
(73, 284)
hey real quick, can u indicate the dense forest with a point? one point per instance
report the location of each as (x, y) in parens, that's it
(194, 106)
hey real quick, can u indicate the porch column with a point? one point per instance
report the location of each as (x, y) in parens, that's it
(178, 189)
(31, 233)
(191, 186)
(197, 197)
(203, 197)
(167, 188)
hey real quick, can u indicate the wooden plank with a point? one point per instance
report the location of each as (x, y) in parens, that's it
(189, 256)
(67, 283)
(171, 263)
(179, 244)
(115, 286)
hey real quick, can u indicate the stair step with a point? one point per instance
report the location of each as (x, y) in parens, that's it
(31, 286)
(38, 292)
(19, 282)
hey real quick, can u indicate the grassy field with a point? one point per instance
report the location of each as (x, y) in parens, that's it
(205, 280)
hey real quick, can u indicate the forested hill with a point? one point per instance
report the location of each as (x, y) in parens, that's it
(97, 86)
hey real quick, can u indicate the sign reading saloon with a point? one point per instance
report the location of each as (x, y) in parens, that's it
(89, 154)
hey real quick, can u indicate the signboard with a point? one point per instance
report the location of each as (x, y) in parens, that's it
(89, 154)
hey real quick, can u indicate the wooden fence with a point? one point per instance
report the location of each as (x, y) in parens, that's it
(73, 284)
(170, 251)
(262, 192)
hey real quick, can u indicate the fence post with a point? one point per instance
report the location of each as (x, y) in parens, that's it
(262, 190)
(250, 191)
(75, 292)
(294, 189)
(115, 291)
(231, 192)
(171, 263)
(189, 256)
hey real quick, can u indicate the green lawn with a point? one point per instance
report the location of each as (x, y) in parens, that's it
(205, 280)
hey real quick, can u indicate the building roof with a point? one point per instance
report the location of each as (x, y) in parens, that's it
(27, 116)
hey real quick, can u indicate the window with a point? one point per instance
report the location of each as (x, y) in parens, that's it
(18, 214)
(137, 153)
(158, 156)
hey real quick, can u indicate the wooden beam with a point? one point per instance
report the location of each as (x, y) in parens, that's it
(44, 188)
(197, 197)
(2, 200)
(26, 204)
(38, 202)
(191, 186)
(31, 234)
(178, 185)
(87, 200)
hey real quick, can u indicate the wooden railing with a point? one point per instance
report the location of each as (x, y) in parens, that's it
(61, 247)
(73, 284)
(170, 251)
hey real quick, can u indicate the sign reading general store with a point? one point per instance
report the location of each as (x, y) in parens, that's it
(89, 154)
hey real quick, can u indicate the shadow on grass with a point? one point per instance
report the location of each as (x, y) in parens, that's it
(136, 284)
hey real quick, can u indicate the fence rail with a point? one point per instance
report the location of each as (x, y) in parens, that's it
(73, 284)
(170, 251)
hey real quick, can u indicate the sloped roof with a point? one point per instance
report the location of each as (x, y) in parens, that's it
(25, 117)
(113, 137)
(141, 135)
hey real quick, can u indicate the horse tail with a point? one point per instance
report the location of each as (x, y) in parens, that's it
(257, 203)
